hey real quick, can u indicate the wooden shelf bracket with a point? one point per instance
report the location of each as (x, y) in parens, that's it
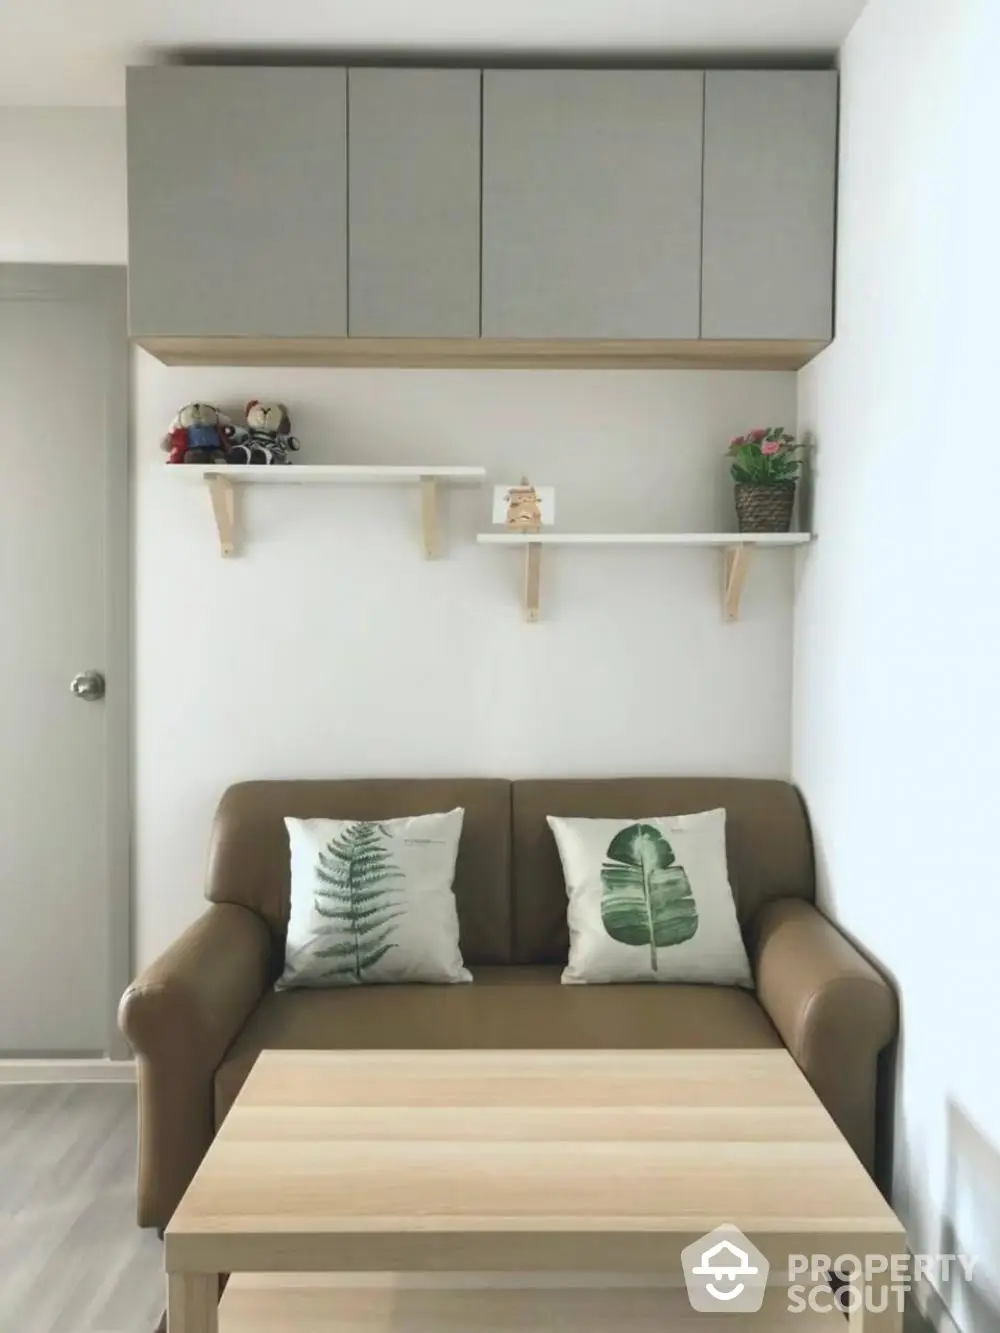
(736, 549)
(532, 580)
(736, 563)
(223, 481)
(223, 498)
(429, 518)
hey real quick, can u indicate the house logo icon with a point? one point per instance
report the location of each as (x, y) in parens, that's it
(725, 1271)
(725, 1261)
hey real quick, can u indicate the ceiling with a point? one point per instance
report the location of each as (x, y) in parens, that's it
(64, 52)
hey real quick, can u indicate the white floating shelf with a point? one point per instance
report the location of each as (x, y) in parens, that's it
(736, 548)
(644, 538)
(222, 478)
(333, 474)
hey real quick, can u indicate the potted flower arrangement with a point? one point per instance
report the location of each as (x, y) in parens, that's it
(765, 467)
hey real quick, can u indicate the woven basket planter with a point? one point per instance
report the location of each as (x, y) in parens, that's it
(765, 508)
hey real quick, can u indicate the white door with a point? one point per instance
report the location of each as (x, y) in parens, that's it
(64, 807)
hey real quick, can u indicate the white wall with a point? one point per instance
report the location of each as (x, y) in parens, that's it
(897, 708)
(62, 185)
(332, 648)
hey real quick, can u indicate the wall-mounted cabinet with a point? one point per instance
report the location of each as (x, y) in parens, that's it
(456, 216)
(591, 203)
(770, 187)
(414, 203)
(237, 200)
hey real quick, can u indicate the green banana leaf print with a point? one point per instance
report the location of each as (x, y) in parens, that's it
(646, 899)
(359, 893)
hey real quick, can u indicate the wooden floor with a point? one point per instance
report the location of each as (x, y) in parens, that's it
(72, 1259)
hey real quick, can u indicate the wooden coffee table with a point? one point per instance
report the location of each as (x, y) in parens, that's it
(442, 1174)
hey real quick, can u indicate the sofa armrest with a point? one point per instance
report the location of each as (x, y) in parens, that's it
(180, 1016)
(831, 1008)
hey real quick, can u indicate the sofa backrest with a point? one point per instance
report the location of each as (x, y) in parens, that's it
(768, 843)
(509, 885)
(249, 860)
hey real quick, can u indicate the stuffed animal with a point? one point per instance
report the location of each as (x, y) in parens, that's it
(199, 433)
(267, 437)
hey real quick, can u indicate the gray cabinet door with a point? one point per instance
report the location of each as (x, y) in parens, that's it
(770, 184)
(592, 203)
(414, 202)
(237, 189)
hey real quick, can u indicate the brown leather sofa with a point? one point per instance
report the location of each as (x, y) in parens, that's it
(199, 1015)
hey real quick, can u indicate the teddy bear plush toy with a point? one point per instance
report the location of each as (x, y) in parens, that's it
(199, 433)
(267, 437)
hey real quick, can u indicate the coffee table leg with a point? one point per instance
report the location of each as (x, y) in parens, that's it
(192, 1303)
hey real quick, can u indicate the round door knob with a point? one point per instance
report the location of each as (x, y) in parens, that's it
(88, 685)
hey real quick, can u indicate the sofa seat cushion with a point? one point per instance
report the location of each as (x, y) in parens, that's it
(504, 1008)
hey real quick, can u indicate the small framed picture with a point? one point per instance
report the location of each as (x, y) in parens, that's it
(522, 505)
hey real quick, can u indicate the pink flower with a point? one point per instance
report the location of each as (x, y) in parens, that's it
(757, 434)
(770, 448)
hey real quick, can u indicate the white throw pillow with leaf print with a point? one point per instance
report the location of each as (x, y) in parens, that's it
(372, 901)
(650, 900)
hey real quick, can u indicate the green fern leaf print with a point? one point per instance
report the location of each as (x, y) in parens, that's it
(359, 893)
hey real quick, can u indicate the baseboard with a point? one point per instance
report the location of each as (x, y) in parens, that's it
(67, 1071)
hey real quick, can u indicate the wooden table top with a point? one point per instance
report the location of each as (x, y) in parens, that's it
(521, 1160)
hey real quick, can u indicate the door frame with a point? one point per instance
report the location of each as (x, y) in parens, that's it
(103, 288)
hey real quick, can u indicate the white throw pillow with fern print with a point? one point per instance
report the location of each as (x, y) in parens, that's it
(372, 901)
(650, 900)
